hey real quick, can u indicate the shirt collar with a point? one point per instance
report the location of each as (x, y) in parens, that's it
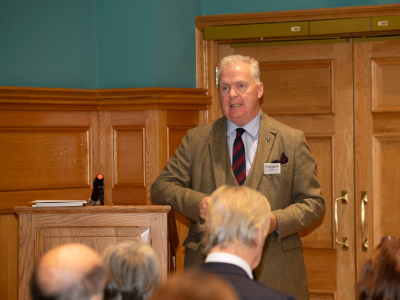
(232, 259)
(251, 128)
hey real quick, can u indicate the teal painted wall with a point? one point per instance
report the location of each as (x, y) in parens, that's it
(126, 43)
(216, 7)
(48, 43)
(115, 44)
(146, 43)
(176, 43)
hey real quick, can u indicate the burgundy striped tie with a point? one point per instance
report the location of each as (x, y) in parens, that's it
(239, 157)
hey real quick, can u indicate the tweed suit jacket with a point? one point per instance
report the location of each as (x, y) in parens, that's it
(246, 288)
(202, 164)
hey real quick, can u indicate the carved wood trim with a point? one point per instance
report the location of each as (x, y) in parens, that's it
(298, 15)
(100, 100)
(124, 209)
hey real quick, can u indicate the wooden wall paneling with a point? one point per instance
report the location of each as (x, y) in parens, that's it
(44, 158)
(47, 151)
(363, 145)
(9, 256)
(206, 62)
(321, 269)
(156, 147)
(377, 141)
(385, 87)
(106, 163)
(387, 190)
(344, 178)
(94, 148)
(8, 200)
(128, 157)
(297, 87)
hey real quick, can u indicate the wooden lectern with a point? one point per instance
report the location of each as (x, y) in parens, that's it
(42, 228)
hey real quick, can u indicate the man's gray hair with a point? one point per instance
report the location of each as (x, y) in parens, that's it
(234, 214)
(133, 270)
(229, 61)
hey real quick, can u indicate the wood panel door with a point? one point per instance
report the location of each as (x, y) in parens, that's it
(310, 87)
(377, 143)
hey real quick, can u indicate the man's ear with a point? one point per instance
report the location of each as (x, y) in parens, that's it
(97, 297)
(259, 239)
(260, 89)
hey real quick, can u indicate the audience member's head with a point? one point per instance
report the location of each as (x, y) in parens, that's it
(195, 286)
(132, 269)
(69, 272)
(380, 276)
(238, 219)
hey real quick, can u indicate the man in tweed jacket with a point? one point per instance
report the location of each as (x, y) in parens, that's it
(203, 162)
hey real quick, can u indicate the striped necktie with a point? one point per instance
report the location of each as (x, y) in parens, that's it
(239, 157)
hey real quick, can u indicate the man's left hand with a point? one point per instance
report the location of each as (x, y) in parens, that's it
(273, 224)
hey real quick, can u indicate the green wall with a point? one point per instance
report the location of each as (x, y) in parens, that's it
(146, 43)
(114, 44)
(126, 43)
(176, 43)
(48, 43)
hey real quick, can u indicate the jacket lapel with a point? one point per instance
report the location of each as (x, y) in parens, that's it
(266, 139)
(219, 151)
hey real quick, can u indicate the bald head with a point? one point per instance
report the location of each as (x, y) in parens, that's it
(72, 271)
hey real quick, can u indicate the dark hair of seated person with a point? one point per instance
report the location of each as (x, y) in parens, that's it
(380, 275)
(195, 285)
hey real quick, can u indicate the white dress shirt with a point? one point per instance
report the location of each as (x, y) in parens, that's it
(249, 138)
(222, 257)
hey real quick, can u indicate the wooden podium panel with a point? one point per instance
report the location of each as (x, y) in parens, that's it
(41, 229)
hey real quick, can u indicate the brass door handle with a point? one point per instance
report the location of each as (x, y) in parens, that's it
(345, 240)
(363, 203)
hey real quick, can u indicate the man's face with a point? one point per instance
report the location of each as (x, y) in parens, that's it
(239, 94)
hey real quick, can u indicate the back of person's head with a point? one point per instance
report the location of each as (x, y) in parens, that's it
(195, 286)
(234, 215)
(132, 269)
(380, 276)
(69, 272)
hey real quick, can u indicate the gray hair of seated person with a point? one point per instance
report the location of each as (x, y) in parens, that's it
(132, 269)
(234, 214)
(231, 60)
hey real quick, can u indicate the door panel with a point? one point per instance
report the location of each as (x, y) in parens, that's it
(310, 87)
(377, 142)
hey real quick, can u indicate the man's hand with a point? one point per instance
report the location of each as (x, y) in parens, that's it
(273, 223)
(203, 207)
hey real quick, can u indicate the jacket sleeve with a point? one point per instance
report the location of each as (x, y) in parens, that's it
(172, 186)
(307, 202)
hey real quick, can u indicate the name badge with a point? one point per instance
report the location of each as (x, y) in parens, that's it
(272, 168)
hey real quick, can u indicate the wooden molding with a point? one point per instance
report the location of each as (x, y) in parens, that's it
(123, 209)
(100, 100)
(298, 15)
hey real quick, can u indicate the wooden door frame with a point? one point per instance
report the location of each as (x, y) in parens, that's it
(206, 51)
